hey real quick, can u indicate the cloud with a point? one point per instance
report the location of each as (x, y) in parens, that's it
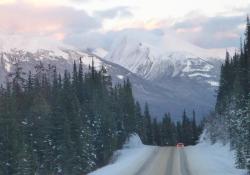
(211, 32)
(81, 29)
(121, 11)
(206, 32)
(7, 1)
(108, 40)
(45, 20)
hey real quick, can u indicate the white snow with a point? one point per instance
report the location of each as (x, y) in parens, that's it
(32, 44)
(203, 159)
(121, 77)
(205, 68)
(216, 159)
(100, 52)
(199, 74)
(152, 56)
(213, 83)
(41, 48)
(129, 159)
(8, 67)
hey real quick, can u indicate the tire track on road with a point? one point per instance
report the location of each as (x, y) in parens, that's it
(170, 162)
(166, 161)
(184, 163)
(150, 159)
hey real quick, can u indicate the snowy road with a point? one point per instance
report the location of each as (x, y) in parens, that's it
(201, 159)
(166, 161)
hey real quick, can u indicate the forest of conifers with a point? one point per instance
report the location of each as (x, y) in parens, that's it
(231, 121)
(71, 124)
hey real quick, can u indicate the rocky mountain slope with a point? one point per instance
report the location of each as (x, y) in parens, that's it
(188, 74)
(169, 81)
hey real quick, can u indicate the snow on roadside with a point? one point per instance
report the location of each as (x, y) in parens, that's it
(207, 159)
(129, 160)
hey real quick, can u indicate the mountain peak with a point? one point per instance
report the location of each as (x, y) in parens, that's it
(32, 44)
(156, 57)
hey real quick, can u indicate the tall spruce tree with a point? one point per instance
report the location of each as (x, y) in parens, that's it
(148, 126)
(230, 123)
(54, 124)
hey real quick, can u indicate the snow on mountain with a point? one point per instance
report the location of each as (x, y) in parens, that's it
(186, 74)
(100, 52)
(30, 52)
(169, 56)
(9, 43)
(169, 81)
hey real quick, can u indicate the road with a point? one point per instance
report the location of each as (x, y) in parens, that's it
(166, 161)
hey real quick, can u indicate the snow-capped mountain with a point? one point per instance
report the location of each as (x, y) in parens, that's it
(30, 51)
(169, 80)
(153, 62)
(187, 73)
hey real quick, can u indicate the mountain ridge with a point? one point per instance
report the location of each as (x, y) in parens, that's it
(172, 89)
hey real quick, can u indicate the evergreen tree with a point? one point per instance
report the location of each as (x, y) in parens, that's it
(195, 135)
(53, 124)
(230, 122)
(148, 126)
(156, 133)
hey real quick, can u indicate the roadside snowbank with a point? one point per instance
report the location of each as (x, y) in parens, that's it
(207, 159)
(129, 159)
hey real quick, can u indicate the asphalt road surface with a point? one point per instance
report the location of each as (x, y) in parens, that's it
(166, 161)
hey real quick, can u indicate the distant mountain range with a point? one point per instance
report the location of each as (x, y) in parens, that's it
(169, 78)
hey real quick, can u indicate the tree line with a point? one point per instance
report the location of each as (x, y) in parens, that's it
(71, 123)
(169, 133)
(230, 123)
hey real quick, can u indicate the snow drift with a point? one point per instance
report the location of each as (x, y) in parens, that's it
(130, 159)
(216, 159)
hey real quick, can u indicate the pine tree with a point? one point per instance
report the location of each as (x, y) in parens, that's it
(156, 133)
(230, 123)
(186, 129)
(195, 134)
(140, 122)
(51, 124)
(148, 126)
(25, 163)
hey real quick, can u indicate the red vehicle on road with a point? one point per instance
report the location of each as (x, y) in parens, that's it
(180, 145)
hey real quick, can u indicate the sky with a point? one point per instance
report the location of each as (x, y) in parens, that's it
(205, 23)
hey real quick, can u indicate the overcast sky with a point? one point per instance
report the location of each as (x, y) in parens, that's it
(206, 23)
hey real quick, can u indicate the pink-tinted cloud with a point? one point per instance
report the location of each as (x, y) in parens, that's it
(226, 35)
(194, 29)
(211, 32)
(56, 21)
